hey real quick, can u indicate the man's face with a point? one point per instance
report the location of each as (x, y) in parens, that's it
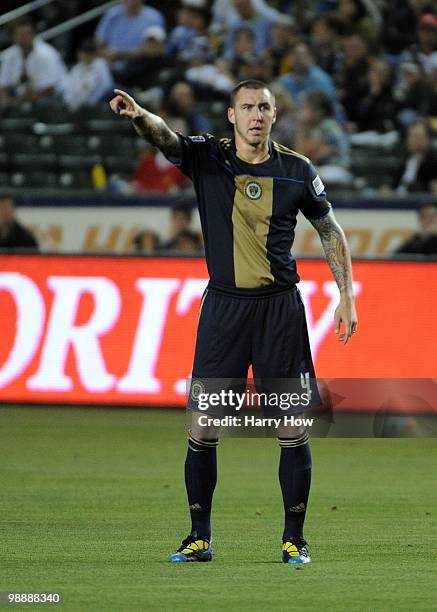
(183, 95)
(253, 115)
(245, 8)
(428, 217)
(321, 34)
(181, 220)
(24, 35)
(427, 36)
(282, 35)
(244, 42)
(417, 139)
(354, 48)
(301, 58)
(186, 244)
(7, 211)
(133, 5)
(308, 114)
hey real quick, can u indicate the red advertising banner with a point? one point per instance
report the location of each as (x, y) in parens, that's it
(110, 330)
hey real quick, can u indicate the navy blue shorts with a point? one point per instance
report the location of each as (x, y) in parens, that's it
(268, 332)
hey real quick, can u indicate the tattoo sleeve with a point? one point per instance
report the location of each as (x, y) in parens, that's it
(336, 250)
(155, 130)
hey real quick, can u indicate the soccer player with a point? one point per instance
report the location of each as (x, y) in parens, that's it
(249, 191)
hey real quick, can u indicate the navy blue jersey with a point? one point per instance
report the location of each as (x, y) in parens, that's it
(248, 211)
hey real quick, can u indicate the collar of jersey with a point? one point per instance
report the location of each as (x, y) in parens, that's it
(265, 164)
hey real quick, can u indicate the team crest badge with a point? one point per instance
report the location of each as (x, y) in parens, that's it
(253, 190)
(197, 388)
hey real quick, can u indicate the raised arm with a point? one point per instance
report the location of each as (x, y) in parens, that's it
(339, 260)
(151, 127)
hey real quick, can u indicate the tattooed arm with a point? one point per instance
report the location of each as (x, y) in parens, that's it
(151, 127)
(339, 260)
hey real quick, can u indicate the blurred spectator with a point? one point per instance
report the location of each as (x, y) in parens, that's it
(326, 35)
(355, 17)
(305, 75)
(120, 33)
(31, 70)
(180, 221)
(146, 242)
(188, 242)
(226, 15)
(250, 67)
(209, 78)
(156, 174)
(320, 137)
(284, 34)
(182, 103)
(248, 17)
(89, 80)
(398, 31)
(432, 108)
(377, 109)
(244, 45)
(419, 170)
(144, 71)
(424, 51)
(353, 77)
(412, 93)
(284, 127)
(192, 21)
(424, 242)
(13, 235)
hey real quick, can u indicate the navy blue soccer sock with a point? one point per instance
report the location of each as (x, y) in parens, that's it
(295, 480)
(200, 481)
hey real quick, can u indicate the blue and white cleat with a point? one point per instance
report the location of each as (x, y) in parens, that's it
(192, 549)
(295, 553)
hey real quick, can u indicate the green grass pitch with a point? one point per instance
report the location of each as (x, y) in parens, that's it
(92, 502)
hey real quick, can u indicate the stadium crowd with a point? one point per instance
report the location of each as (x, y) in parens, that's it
(350, 77)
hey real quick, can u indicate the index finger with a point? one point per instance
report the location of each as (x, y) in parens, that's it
(124, 95)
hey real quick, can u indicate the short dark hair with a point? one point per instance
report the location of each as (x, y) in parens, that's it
(333, 23)
(249, 84)
(184, 208)
(4, 195)
(138, 238)
(189, 235)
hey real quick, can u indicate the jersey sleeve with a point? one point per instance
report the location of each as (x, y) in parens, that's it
(314, 204)
(195, 153)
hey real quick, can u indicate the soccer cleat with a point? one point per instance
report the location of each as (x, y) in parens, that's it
(295, 553)
(192, 549)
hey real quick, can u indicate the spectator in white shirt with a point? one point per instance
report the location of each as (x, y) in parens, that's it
(89, 80)
(31, 69)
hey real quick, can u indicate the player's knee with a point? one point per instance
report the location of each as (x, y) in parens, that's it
(204, 441)
(292, 432)
(201, 431)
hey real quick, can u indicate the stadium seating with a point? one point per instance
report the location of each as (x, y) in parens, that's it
(67, 145)
(64, 146)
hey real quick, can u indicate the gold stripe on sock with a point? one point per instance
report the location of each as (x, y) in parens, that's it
(205, 443)
(293, 442)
